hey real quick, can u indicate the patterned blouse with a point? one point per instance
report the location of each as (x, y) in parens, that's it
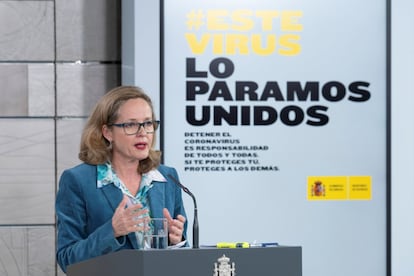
(106, 175)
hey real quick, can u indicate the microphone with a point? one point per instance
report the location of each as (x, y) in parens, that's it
(195, 223)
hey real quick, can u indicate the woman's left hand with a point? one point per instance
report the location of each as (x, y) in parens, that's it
(175, 227)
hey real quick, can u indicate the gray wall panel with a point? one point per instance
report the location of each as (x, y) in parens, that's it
(27, 89)
(14, 92)
(26, 30)
(27, 251)
(27, 171)
(79, 86)
(68, 141)
(88, 30)
(41, 89)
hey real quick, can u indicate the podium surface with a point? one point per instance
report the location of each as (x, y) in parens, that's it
(281, 260)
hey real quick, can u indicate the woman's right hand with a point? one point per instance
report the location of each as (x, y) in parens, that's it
(128, 218)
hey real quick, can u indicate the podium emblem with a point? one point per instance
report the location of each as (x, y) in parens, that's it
(223, 267)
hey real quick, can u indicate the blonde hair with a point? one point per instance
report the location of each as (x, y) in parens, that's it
(94, 148)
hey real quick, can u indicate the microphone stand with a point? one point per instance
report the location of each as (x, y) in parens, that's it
(195, 222)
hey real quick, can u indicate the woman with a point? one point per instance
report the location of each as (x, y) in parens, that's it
(102, 202)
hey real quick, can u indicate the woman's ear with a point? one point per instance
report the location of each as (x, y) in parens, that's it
(107, 133)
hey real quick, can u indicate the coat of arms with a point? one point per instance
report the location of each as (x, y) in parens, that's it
(223, 268)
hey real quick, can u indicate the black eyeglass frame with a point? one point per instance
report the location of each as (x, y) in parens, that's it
(154, 123)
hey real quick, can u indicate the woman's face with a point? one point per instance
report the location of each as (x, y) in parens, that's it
(130, 148)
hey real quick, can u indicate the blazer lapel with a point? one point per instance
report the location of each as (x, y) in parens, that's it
(113, 195)
(156, 197)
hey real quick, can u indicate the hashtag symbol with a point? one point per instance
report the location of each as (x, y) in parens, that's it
(195, 20)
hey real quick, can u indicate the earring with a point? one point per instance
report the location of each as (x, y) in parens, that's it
(110, 145)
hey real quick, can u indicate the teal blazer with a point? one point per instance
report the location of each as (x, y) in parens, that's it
(84, 213)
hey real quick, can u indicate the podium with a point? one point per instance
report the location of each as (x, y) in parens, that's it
(275, 261)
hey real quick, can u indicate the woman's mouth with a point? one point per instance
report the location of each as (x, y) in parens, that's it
(141, 146)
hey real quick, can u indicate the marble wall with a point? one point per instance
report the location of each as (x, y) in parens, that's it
(57, 58)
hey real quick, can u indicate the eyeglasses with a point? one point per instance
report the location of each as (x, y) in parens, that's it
(132, 128)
